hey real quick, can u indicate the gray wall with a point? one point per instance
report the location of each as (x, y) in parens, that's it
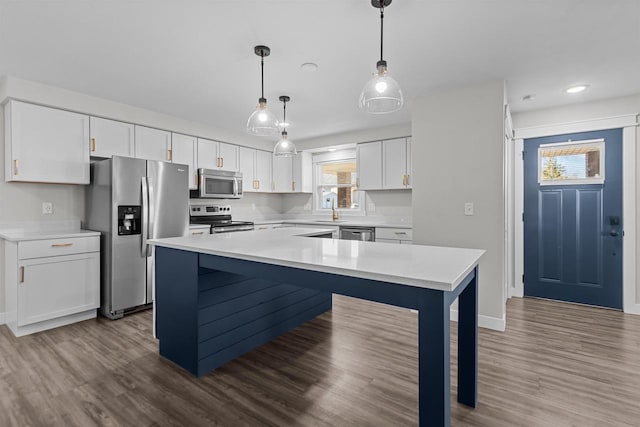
(458, 157)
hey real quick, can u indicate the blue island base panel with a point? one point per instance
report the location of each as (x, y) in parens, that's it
(206, 318)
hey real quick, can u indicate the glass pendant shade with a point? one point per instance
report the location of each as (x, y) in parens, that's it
(381, 94)
(284, 147)
(262, 122)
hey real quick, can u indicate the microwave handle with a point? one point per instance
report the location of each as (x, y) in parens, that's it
(235, 187)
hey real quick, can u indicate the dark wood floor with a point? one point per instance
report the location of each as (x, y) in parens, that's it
(556, 365)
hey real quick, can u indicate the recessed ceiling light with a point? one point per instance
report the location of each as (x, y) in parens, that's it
(332, 149)
(576, 88)
(529, 97)
(309, 67)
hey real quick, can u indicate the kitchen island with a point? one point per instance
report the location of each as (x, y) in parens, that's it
(220, 296)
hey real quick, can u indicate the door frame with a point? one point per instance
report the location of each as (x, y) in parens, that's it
(629, 124)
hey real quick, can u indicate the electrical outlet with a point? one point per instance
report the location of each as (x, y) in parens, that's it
(47, 208)
(468, 208)
(371, 207)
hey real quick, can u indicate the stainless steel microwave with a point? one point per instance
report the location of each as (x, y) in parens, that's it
(216, 184)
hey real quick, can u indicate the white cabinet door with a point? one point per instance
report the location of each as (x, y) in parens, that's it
(302, 173)
(208, 154)
(184, 150)
(152, 144)
(394, 155)
(369, 164)
(409, 166)
(228, 155)
(263, 171)
(111, 138)
(247, 165)
(282, 174)
(58, 286)
(45, 144)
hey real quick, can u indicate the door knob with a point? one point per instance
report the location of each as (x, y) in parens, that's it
(614, 233)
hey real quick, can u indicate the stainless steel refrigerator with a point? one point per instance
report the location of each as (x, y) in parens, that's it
(130, 201)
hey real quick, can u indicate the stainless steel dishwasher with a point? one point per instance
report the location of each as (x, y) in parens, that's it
(365, 234)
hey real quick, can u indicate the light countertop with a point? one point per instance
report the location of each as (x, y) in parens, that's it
(430, 267)
(20, 235)
(378, 223)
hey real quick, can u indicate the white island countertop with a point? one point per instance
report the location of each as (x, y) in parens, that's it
(21, 235)
(432, 267)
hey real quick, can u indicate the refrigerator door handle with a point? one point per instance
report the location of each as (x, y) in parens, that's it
(145, 216)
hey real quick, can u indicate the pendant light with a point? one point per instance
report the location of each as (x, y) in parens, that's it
(382, 93)
(284, 147)
(262, 122)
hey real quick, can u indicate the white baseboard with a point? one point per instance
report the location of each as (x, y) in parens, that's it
(1, 318)
(487, 322)
(633, 309)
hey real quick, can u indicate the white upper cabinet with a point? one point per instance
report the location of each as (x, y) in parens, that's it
(228, 155)
(184, 150)
(207, 154)
(255, 166)
(247, 163)
(111, 138)
(302, 173)
(282, 174)
(263, 171)
(152, 144)
(217, 155)
(384, 165)
(369, 165)
(395, 162)
(45, 144)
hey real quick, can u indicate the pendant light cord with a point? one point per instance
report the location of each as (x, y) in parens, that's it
(262, 72)
(284, 115)
(381, 27)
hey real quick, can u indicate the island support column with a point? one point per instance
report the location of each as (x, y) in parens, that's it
(434, 351)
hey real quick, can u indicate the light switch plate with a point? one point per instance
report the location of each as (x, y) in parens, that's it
(468, 208)
(47, 208)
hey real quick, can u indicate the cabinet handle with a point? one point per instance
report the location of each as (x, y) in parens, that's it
(93, 144)
(258, 184)
(61, 245)
(199, 232)
(293, 186)
(221, 162)
(408, 179)
(404, 179)
(170, 155)
(401, 233)
(15, 167)
(21, 274)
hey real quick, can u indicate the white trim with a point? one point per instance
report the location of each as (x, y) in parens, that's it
(629, 182)
(518, 210)
(2, 318)
(487, 322)
(629, 132)
(581, 126)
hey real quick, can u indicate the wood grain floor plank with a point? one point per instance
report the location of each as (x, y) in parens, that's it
(555, 365)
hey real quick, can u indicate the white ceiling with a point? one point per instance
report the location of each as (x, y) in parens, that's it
(194, 59)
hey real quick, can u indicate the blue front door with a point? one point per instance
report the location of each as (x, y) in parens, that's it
(573, 232)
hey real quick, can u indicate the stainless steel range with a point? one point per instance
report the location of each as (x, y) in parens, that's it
(217, 216)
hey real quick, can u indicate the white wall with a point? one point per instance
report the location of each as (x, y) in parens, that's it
(457, 142)
(373, 134)
(584, 112)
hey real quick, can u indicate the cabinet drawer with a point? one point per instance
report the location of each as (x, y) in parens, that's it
(394, 233)
(56, 247)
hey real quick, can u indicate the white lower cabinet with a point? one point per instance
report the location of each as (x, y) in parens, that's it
(51, 282)
(394, 235)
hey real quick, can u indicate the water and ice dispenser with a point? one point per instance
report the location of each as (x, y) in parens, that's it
(129, 220)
